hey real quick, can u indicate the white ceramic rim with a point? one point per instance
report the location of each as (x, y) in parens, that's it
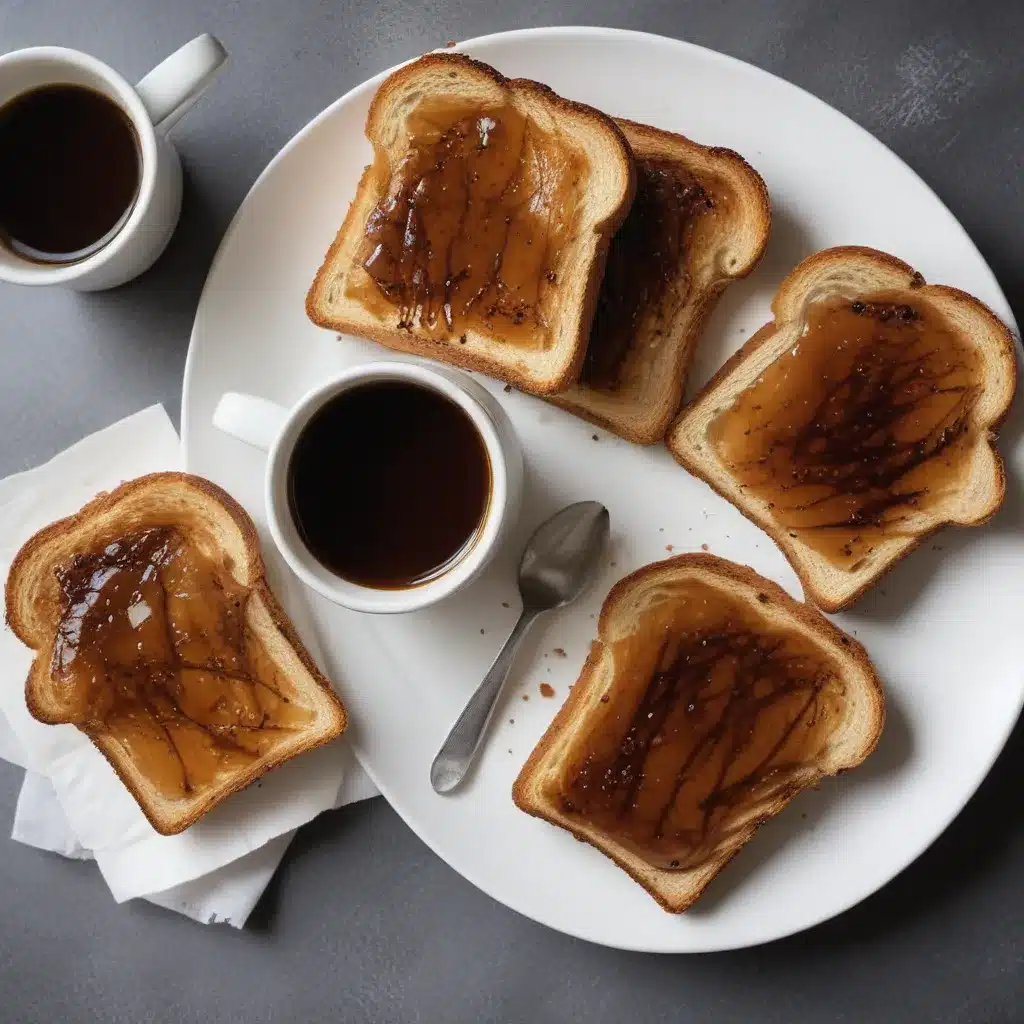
(33, 274)
(320, 578)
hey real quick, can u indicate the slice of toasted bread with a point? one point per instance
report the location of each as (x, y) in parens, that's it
(925, 475)
(606, 713)
(565, 189)
(701, 219)
(214, 698)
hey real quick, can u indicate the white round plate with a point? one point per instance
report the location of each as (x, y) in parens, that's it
(944, 629)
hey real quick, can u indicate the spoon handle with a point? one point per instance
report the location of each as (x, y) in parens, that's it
(459, 749)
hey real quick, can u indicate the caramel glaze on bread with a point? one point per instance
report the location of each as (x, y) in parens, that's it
(857, 422)
(156, 635)
(478, 235)
(700, 220)
(710, 699)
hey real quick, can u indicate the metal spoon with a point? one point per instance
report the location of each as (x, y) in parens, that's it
(559, 560)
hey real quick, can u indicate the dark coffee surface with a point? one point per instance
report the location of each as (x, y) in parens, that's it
(388, 484)
(69, 172)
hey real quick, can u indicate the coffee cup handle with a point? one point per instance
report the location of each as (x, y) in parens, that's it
(170, 89)
(256, 421)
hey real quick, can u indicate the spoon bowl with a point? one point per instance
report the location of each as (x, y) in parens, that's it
(559, 559)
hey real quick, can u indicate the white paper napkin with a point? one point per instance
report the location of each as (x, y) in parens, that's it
(225, 896)
(72, 802)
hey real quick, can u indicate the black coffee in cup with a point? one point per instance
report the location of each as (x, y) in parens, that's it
(70, 170)
(389, 484)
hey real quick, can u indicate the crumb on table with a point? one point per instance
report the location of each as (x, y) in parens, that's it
(704, 547)
(547, 690)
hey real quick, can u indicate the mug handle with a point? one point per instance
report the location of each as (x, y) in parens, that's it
(170, 89)
(256, 421)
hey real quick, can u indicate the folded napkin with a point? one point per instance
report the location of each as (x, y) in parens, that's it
(72, 802)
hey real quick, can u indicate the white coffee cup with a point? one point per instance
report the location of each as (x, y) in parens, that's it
(274, 429)
(153, 106)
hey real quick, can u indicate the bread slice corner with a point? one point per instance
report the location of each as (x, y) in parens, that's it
(851, 741)
(851, 272)
(213, 521)
(552, 362)
(724, 244)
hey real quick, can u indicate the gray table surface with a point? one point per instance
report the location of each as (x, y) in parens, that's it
(363, 922)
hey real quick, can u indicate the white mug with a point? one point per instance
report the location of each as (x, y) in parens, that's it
(152, 106)
(273, 428)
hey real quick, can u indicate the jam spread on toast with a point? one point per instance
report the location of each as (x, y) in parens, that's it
(154, 650)
(715, 714)
(859, 428)
(643, 276)
(469, 231)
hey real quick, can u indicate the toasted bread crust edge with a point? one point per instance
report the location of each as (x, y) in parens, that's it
(741, 165)
(705, 304)
(655, 434)
(764, 334)
(106, 501)
(737, 573)
(453, 354)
